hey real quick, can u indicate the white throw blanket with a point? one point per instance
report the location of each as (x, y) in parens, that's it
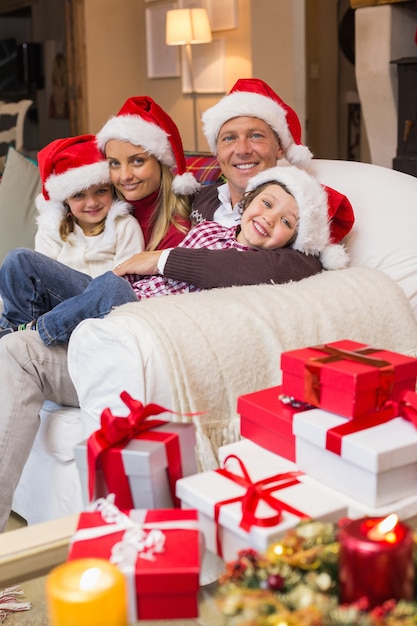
(219, 344)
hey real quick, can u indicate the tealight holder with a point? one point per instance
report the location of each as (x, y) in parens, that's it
(376, 561)
(86, 592)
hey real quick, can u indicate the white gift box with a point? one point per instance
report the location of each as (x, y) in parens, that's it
(258, 457)
(145, 463)
(377, 466)
(405, 508)
(203, 491)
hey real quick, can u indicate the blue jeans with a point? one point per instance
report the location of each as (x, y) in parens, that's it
(35, 287)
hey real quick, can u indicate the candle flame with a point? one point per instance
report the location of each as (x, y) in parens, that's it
(387, 524)
(89, 578)
(383, 530)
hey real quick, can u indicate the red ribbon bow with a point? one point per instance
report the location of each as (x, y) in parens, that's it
(255, 492)
(115, 433)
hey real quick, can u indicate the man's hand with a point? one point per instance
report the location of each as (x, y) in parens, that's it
(143, 264)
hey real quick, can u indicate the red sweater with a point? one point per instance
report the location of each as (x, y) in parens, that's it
(144, 209)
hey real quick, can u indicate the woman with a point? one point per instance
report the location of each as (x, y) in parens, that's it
(142, 144)
(164, 222)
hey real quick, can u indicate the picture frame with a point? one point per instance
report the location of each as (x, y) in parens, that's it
(208, 68)
(162, 61)
(223, 14)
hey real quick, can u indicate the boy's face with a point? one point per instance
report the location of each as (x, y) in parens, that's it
(270, 221)
(245, 147)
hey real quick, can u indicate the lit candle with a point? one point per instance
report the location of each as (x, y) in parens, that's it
(376, 561)
(86, 592)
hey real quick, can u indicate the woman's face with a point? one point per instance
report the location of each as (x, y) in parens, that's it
(134, 173)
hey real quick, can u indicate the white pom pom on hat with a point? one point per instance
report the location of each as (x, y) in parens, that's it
(252, 97)
(142, 122)
(313, 233)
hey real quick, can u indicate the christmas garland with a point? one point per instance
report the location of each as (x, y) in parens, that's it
(295, 583)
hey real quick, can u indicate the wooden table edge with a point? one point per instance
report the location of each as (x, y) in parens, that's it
(32, 551)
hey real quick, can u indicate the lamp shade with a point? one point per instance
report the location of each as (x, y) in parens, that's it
(185, 26)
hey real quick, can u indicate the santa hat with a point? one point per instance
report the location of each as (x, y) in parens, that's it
(144, 123)
(68, 166)
(313, 230)
(252, 97)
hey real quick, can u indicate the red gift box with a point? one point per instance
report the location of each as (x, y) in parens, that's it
(165, 583)
(347, 377)
(164, 453)
(266, 419)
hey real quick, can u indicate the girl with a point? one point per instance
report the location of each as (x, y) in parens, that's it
(285, 211)
(142, 145)
(80, 222)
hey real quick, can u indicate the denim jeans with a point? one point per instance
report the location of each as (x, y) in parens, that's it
(35, 287)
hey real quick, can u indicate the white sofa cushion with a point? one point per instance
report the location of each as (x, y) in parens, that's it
(384, 235)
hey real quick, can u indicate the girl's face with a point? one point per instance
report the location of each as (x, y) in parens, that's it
(270, 220)
(90, 207)
(133, 172)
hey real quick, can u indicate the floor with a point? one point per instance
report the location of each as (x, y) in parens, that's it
(37, 615)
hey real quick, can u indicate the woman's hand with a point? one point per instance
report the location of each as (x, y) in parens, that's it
(143, 264)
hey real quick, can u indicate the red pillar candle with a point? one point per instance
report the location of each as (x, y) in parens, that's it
(375, 563)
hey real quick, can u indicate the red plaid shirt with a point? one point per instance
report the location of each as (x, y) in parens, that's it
(204, 235)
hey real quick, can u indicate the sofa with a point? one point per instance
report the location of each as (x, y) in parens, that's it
(196, 353)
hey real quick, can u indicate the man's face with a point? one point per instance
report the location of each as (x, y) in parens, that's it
(245, 147)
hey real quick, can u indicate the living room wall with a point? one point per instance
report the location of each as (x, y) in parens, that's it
(269, 42)
(117, 71)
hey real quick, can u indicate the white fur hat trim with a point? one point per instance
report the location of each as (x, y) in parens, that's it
(135, 130)
(248, 104)
(60, 187)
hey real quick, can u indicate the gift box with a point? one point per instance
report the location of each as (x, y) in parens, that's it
(405, 508)
(347, 377)
(266, 418)
(158, 551)
(376, 465)
(254, 507)
(146, 464)
(256, 458)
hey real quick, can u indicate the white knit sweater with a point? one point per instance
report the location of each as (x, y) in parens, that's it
(122, 237)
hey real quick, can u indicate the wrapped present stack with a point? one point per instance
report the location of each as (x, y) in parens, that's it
(299, 459)
(347, 417)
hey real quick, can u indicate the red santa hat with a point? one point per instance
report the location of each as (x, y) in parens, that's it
(144, 123)
(68, 166)
(313, 230)
(252, 97)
